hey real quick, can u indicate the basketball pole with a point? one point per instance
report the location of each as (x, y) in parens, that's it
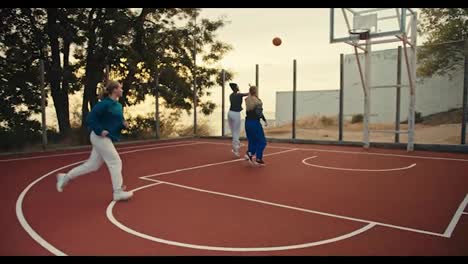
(156, 102)
(294, 100)
(194, 77)
(223, 80)
(398, 97)
(414, 35)
(257, 79)
(367, 95)
(43, 104)
(465, 94)
(340, 119)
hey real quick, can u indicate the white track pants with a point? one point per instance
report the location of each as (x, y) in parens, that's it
(234, 119)
(103, 151)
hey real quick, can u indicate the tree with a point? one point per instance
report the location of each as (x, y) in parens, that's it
(160, 54)
(148, 49)
(442, 25)
(104, 30)
(47, 34)
(19, 80)
(62, 31)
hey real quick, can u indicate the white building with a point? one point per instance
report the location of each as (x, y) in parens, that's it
(433, 95)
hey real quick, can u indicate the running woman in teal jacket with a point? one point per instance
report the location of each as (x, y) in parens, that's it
(105, 122)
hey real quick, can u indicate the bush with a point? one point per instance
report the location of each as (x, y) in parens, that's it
(418, 117)
(357, 119)
(202, 130)
(144, 127)
(327, 121)
(19, 135)
(18, 140)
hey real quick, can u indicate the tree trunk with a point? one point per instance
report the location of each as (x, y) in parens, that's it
(65, 81)
(59, 96)
(94, 67)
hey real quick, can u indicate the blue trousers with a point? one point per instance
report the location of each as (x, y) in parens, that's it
(255, 137)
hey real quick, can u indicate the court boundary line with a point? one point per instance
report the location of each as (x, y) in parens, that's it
(19, 202)
(456, 217)
(52, 249)
(360, 153)
(306, 210)
(142, 147)
(113, 220)
(445, 234)
(350, 169)
(210, 165)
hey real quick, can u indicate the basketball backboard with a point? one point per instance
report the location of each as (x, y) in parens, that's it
(381, 22)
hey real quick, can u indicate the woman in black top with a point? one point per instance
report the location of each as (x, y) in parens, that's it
(234, 117)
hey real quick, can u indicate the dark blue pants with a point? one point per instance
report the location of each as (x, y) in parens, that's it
(255, 137)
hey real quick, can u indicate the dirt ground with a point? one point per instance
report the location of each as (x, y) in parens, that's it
(441, 134)
(439, 128)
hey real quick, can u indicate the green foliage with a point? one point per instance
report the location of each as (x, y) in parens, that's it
(142, 46)
(327, 121)
(418, 117)
(144, 127)
(357, 118)
(18, 79)
(442, 25)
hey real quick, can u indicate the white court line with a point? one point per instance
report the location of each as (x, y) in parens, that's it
(52, 249)
(384, 154)
(345, 169)
(465, 213)
(301, 209)
(24, 223)
(19, 204)
(456, 217)
(148, 177)
(89, 151)
(229, 144)
(163, 147)
(113, 220)
(359, 153)
(209, 165)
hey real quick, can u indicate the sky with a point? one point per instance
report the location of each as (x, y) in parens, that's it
(305, 38)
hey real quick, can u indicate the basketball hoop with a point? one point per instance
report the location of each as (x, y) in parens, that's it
(362, 32)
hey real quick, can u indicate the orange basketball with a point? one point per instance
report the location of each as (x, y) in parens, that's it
(276, 41)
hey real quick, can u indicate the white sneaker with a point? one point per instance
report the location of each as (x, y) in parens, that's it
(62, 181)
(248, 156)
(121, 195)
(235, 153)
